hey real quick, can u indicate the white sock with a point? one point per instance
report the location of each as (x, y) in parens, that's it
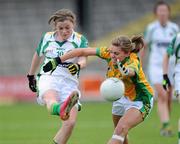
(118, 137)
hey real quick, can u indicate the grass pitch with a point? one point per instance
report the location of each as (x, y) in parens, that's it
(26, 123)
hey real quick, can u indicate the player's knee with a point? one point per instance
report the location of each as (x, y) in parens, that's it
(163, 97)
(122, 129)
(70, 123)
(48, 106)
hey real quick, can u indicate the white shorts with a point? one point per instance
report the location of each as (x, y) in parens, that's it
(123, 104)
(62, 85)
(155, 72)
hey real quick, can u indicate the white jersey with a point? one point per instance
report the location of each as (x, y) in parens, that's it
(158, 38)
(50, 48)
(174, 49)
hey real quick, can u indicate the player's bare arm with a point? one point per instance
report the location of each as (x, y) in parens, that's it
(36, 61)
(165, 63)
(78, 52)
(82, 61)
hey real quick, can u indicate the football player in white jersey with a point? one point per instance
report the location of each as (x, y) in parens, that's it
(173, 49)
(58, 89)
(157, 36)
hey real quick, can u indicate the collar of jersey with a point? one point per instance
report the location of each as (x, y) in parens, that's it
(161, 25)
(125, 60)
(70, 39)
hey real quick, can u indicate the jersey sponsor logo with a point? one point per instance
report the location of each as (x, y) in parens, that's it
(171, 34)
(163, 44)
(65, 64)
(62, 49)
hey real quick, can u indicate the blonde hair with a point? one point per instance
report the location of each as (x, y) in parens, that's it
(61, 16)
(135, 44)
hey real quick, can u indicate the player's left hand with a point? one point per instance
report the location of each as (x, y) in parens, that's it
(52, 64)
(32, 83)
(74, 68)
(166, 82)
(124, 71)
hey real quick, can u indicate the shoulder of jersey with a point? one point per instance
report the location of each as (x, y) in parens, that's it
(133, 56)
(152, 25)
(77, 38)
(48, 35)
(78, 35)
(172, 24)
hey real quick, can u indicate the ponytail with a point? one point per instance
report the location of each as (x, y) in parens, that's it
(138, 43)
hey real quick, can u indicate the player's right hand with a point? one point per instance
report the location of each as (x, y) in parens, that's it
(74, 68)
(32, 83)
(52, 64)
(166, 82)
(124, 71)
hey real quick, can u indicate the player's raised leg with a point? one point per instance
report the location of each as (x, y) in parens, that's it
(68, 104)
(63, 110)
(65, 131)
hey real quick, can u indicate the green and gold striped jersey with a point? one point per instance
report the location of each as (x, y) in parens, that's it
(136, 87)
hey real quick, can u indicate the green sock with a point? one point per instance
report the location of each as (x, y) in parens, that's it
(55, 109)
(165, 124)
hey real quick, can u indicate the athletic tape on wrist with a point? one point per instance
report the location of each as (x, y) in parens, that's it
(117, 137)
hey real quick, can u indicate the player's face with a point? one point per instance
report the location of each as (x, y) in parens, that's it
(162, 13)
(117, 53)
(64, 29)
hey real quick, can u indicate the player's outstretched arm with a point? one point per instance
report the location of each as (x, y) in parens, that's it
(79, 52)
(52, 64)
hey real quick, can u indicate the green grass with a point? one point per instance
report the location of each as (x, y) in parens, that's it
(31, 124)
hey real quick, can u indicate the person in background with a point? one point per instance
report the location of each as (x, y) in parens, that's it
(58, 89)
(158, 35)
(173, 49)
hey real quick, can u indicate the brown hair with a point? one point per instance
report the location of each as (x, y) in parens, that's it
(62, 15)
(159, 3)
(135, 44)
